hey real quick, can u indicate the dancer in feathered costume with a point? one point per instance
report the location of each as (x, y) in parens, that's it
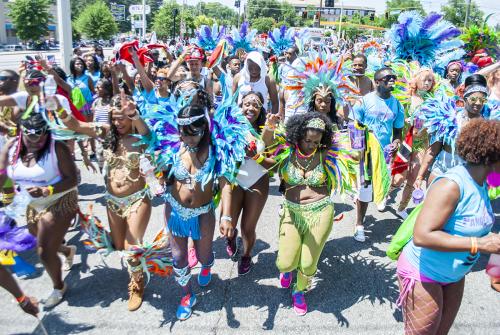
(431, 41)
(241, 40)
(128, 196)
(208, 39)
(374, 55)
(312, 166)
(279, 40)
(186, 138)
(15, 239)
(443, 119)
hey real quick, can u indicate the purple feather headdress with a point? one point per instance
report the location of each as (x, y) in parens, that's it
(14, 238)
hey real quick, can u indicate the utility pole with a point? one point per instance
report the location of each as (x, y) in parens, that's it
(467, 13)
(340, 21)
(320, 11)
(64, 30)
(143, 20)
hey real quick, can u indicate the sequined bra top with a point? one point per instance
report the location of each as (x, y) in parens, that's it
(294, 176)
(182, 173)
(130, 160)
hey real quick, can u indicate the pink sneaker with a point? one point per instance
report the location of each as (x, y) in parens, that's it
(192, 259)
(286, 279)
(299, 303)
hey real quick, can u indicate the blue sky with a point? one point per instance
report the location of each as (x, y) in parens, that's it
(487, 6)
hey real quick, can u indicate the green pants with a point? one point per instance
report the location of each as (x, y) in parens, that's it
(300, 247)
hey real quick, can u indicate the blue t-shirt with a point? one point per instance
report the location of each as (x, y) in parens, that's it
(380, 116)
(473, 216)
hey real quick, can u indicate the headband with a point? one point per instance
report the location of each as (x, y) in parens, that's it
(455, 63)
(253, 98)
(323, 91)
(475, 88)
(316, 123)
(189, 120)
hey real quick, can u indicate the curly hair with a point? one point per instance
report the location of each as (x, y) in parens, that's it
(479, 142)
(296, 128)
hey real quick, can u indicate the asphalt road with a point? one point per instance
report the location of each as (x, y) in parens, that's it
(355, 289)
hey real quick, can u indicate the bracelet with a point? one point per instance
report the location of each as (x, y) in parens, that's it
(420, 178)
(60, 111)
(3, 172)
(258, 158)
(21, 299)
(226, 218)
(269, 126)
(473, 248)
(51, 190)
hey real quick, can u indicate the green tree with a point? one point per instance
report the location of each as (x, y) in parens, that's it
(260, 9)
(96, 21)
(289, 15)
(163, 22)
(225, 15)
(31, 18)
(455, 12)
(263, 24)
(394, 7)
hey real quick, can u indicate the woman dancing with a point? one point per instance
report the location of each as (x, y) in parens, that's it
(128, 199)
(200, 155)
(250, 195)
(45, 169)
(451, 230)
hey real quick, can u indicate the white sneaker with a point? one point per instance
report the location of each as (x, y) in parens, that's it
(381, 206)
(55, 297)
(359, 234)
(402, 214)
(68, 263)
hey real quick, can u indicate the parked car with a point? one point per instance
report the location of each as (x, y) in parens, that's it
(14, 47)
(2, 48)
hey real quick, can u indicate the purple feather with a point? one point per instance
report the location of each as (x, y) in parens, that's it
(244, 29)
(282, 31)
(448, 34)
(271, 36)
(430, 20)
(208, 32)
(222, 31)
(14, 238)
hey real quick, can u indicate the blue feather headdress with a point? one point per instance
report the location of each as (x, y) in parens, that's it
(281, 39)
(229, 130)
(440, 118)
(431, 41)
(207, 38)
(242, 38)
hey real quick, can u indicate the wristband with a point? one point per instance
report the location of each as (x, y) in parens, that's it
(21, 299)
(60, 111)
(3, 172)
(226, 218)
(258, 158)
(420, 178)
(51, 190)
(67, 118)
(473, 248)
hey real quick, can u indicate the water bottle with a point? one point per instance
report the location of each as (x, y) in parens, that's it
(149, 174)
(17, 208)
(50, 89)
(493, 267)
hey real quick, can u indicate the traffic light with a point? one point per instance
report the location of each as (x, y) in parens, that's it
(175, 12)
(329, 3)
(304, 14)
(387, 15)
(237, 3)
(372, 17)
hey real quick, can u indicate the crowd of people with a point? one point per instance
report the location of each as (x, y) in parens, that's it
(207, 126)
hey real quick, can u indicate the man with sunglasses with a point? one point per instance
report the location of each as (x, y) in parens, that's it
(383, 114)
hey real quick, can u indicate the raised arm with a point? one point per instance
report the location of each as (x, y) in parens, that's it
(147, 83)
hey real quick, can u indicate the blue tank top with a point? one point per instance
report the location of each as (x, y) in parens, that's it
(473, 216)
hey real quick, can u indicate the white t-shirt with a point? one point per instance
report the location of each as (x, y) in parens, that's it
(22, 98)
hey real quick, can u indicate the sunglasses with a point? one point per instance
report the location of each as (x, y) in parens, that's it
(34, 132)
(5, 78)
(198, 132)
(388, 78)
(474, 100)
(33, 82)
(161, 78)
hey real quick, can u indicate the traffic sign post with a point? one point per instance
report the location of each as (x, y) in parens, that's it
(118, 11)
(137, 9)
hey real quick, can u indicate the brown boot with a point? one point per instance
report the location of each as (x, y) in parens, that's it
(135, 290)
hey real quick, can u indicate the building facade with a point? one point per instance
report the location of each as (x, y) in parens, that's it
(8, 31)
(330, 9)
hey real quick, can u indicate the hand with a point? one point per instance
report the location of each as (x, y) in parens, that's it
(226, 229)
(45, 65)
(30, 306)
(395, 146)
(35, 192)
(489, 244)
(418, 183)
(88, 164)
(273, 120)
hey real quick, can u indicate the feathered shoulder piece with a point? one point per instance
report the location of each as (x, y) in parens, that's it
(208, 38)
(440, 118)
(431, 41)
(14, 238)
(281, 39)
(242, 38)
(322, 70)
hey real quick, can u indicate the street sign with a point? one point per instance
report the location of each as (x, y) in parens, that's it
(118, 11)
(137, 9)
(137, 24)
